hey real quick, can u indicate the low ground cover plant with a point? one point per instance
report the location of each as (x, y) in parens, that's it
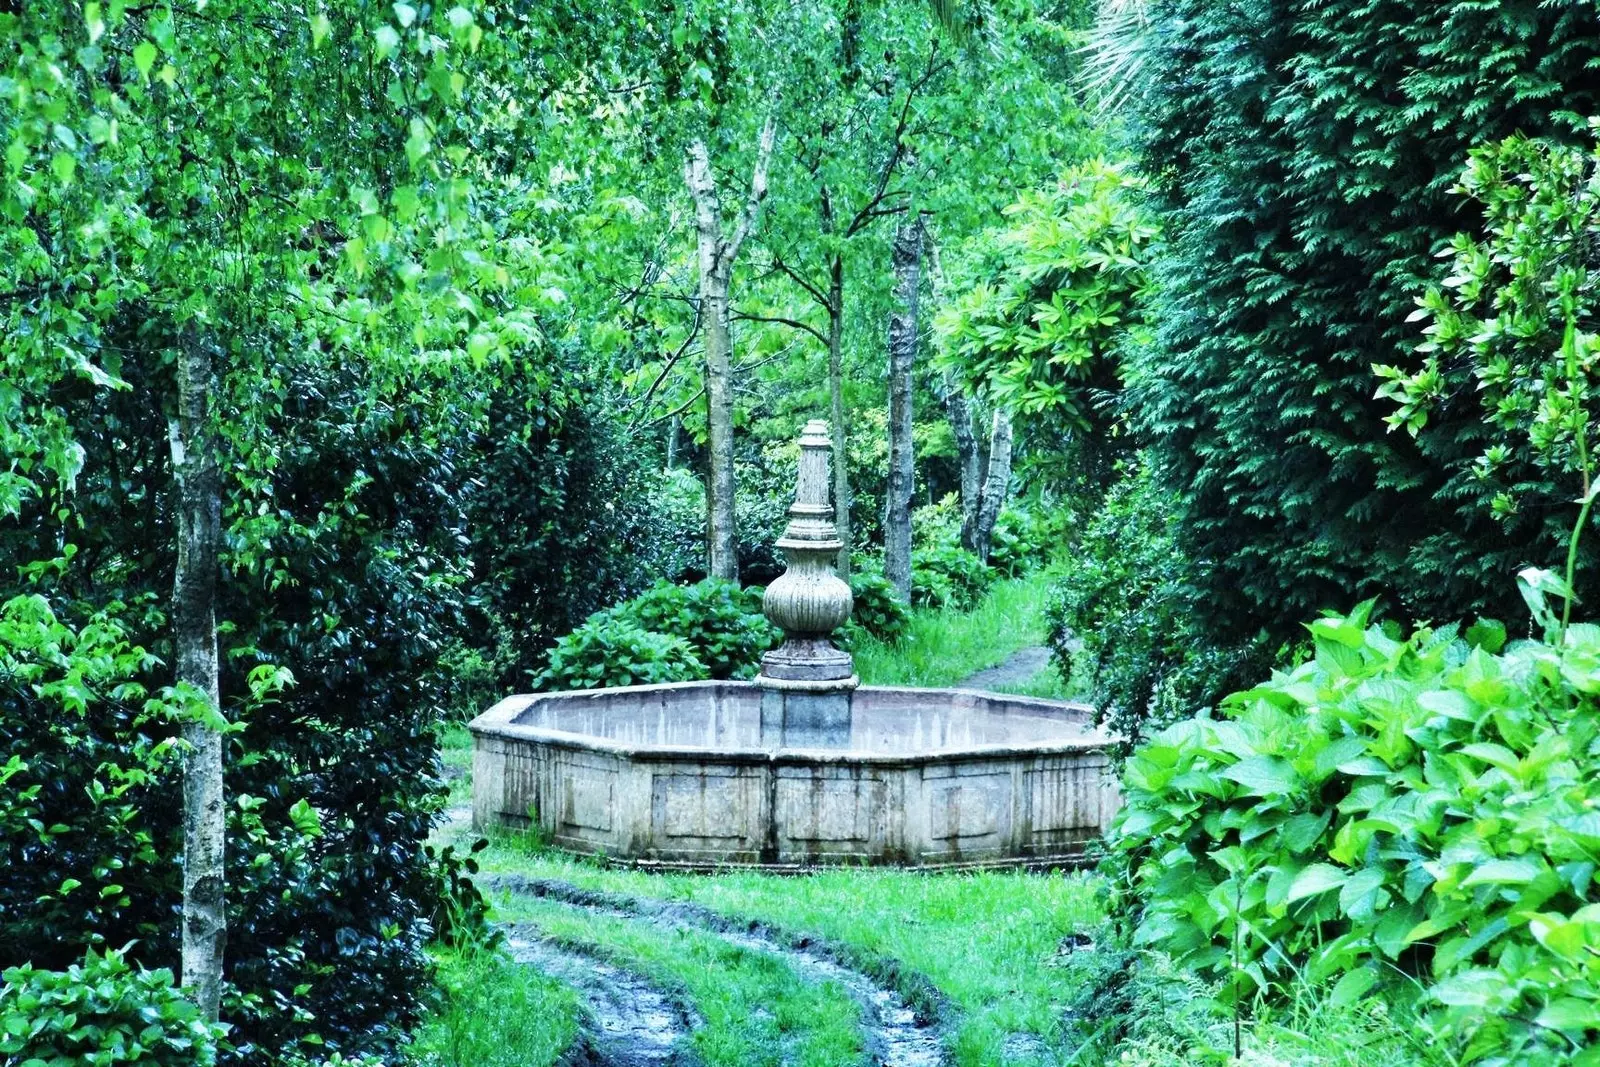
(948, 576)
(1418, 813)
(101, 1012)
(670, 633)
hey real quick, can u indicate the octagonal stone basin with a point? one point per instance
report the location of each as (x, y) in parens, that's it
(705, 774)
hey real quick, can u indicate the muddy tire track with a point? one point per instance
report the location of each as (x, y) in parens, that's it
(628, 1022)
(901, 1029)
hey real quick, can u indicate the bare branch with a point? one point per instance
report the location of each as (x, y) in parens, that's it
(801, 280)
(643, 402)
(679, 410)
(794, 324)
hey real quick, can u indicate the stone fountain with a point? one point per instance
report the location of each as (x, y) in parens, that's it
(802, 765)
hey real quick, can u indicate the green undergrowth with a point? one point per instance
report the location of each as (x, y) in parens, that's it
(455, 754)
(1046, 684)
(943, 646)
(492, 1012)
(756, 1009)
(987, 942)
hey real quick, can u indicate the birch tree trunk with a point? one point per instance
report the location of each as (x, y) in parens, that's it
(841, 437)
(902, 356)
(194, 617)
(959, 413)
(722, 536)
(996, 483)
(716, 255)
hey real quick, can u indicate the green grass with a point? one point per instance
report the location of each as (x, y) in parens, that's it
(1047, 684)
(455, 752)
(943, 647)
(986, 941)
(495, 1013)
(757, 1011)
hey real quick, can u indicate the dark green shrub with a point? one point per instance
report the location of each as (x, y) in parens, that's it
(100, 1013)
(1395, 810)
(1124, 615)
(611, 651)
(1026, 538)
(1301, 159)
(876, 610)
(948, 576)
(351, 580)
(721, 623)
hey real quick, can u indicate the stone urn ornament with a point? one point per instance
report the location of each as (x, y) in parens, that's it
(809, 601)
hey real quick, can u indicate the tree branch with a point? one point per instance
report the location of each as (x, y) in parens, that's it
(795, 324)
(758, 189)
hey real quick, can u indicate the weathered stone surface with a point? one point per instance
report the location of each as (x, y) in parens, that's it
(808, 601)
(702, 774)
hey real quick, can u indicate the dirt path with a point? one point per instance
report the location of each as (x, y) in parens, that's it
(1023, 664)
(630, 1023)
(896, 1033)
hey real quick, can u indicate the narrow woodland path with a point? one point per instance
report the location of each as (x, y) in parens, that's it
(896, 1034)
(1023, 664)
(629, 1023)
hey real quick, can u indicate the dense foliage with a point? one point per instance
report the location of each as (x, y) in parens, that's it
(100, 1013)
(1394, 806)
(1124, 622)
(945, 575)
(609, 651)
(1516, 321)
(1301, 159)
(670, 633)
(875, 608)
(290, 192)
(1051, 299)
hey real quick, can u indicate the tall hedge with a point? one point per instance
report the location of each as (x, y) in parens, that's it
(1301, 156)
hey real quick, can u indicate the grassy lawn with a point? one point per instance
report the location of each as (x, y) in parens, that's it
(942, 647)
(495, 1013)
(987, 942)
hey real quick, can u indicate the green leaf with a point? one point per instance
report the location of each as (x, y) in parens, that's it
(1315, 879)
(144, 59)
(1263, 776)
(1519, 871)
(1570, 1013)
(64, 166)
(387, 41)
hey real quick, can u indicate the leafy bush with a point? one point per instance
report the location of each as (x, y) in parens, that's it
(1304, 188)
(1024, 539)
(1421, 806)
(101, 1012)
(877, 611)
(677, 510)
(1123, 619)
(610, 651)
(948, 576)
(721, 623)
(1052, 298)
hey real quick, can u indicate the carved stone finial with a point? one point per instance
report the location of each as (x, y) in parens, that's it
(809, 601)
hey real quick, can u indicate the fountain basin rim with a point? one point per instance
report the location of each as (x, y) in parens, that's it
(499, 722)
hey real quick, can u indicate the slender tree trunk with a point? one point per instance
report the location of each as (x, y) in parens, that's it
(959, 412)
(996, 483)
(194, 617)
(841, 464)
(902, 356)
(674, 428)
(722, 544)
(716, 256)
